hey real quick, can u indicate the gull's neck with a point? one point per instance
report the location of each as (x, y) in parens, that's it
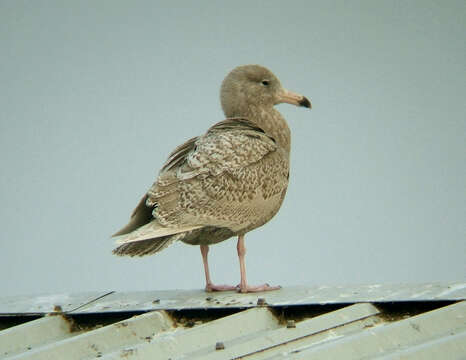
(272, 122)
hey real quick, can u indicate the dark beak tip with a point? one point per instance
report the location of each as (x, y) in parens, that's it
(305, 102)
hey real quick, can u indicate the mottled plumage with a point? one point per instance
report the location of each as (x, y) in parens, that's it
(226, 182)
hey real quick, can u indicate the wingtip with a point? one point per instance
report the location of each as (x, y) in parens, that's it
(118, 233)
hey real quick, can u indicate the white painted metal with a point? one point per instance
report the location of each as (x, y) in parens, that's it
(274, 339)
(47, 303)
(198, 299)
(33, 334)
(92, 344)
(318, 338)
(386, 339)
(177, 343)
(449, 347)
(299, 295)
(358, 331)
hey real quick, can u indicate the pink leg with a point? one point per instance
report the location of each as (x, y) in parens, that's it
(243, 286)
(209, 286)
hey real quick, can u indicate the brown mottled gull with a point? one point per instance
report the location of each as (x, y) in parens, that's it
(224, 183)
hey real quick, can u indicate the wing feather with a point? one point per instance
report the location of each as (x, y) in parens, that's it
(223, 163)
(227, 146)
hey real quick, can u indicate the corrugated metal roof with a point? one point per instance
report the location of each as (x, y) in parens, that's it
(366, 322)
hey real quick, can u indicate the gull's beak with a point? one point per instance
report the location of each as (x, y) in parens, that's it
(294, 99)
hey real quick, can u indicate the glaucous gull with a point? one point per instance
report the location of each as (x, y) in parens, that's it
(224, 183)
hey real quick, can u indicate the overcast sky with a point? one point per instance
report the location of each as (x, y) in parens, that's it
(95, 94)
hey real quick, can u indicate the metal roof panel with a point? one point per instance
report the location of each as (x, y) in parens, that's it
(94, 343)
(396, 322)
(198, 299)
(448, 347)
(391, 337)
(173, 344)
(297, 295)
(34, 333)
(272, 339)
(48, 303)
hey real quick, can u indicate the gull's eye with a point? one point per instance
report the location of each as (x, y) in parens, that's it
(265, 82)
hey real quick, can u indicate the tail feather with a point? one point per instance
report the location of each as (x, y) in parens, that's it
(151, 231)
(145, 247)
(150, 238)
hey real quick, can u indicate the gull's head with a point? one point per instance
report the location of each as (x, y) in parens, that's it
(255, 86)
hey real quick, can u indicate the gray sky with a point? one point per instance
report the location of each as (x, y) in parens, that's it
(95, 94)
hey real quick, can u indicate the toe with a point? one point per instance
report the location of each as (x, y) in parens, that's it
(213, 287)
(258, 288)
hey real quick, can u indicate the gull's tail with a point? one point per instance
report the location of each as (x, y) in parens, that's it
(150, 238)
